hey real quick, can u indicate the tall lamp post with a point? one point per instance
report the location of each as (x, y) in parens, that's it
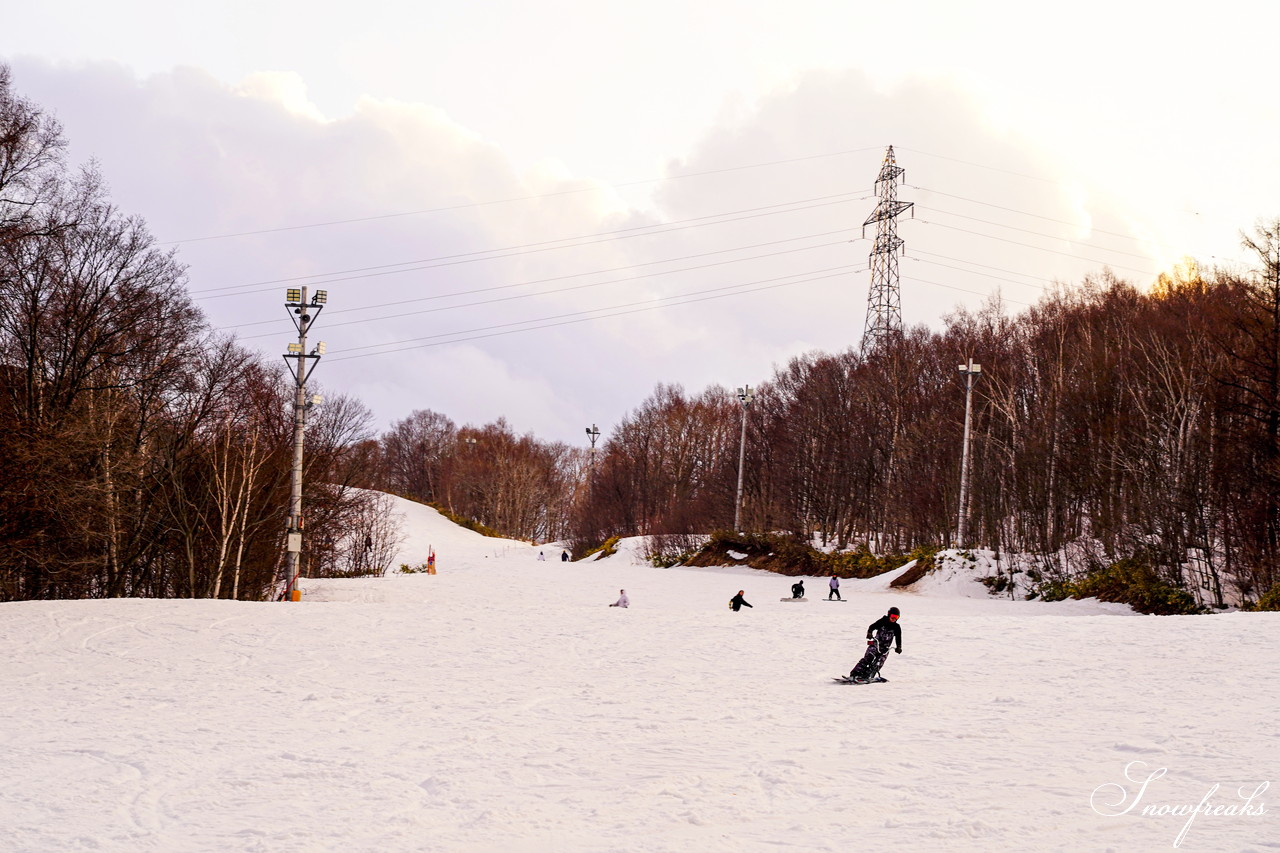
(746, 395)
(593, 433)
(971, 373)
(303, 313)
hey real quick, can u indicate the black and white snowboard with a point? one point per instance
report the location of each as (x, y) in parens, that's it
(844, 679)
(794, 599)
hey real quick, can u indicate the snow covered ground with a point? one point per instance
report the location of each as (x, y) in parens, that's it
(501, 705)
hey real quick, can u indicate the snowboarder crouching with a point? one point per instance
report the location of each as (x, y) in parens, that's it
(797, 590)
(623, 601)
(738, 602)
(881, 634)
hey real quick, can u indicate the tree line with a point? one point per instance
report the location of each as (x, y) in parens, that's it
(1109, 423)
(144, 454)
(141, 453)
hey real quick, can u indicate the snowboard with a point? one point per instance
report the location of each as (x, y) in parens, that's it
(793, 599)
(844, 679)
(841, 600)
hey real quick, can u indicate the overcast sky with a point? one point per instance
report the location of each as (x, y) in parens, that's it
(540, 210)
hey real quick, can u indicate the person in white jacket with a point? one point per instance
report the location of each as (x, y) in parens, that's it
(623, 601)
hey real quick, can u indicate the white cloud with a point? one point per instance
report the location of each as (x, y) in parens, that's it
(287, 88)
(198, 158)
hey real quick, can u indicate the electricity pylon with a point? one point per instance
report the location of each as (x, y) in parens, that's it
(884, 301)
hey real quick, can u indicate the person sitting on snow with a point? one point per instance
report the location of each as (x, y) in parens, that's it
(623, 601)
(881, 634)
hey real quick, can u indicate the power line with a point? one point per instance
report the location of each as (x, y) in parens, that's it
(1035, 278)
(685, 269)
(475, 290)
(703, 266)
(659, 273)
(1037, 248)
(981, 165)
(798, 205)
(961, 289)
(532, 248)
(574, 318)
(1035, 233)
(1027, 213)
(549, 292)
(1093, 230)
(974, 272)
(594, 188)
(769, 284)
(982, 266)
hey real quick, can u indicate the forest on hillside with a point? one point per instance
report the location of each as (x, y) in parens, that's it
(1109, 424)
(142, 453)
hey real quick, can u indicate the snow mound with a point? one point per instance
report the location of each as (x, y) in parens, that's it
(956, 574)
(424, 530)
(959, 574)
(632, 551)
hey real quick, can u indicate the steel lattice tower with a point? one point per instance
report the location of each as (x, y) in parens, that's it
(884, 302)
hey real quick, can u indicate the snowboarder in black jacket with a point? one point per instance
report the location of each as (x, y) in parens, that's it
(881, 634)
(797, 590)
(738, 602)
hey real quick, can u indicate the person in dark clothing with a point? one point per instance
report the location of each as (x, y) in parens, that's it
(797, 590)
(564, 556)
(738, 602)
(881, 634)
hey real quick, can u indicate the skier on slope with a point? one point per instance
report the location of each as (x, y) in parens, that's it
(738, 602)
(797, 590)
(881, 634)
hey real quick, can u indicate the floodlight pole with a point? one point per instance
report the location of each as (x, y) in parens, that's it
(971, 372)
(746, 395)
(303, 312)
(592, 434)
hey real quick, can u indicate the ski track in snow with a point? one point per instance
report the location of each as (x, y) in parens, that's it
(500, 705)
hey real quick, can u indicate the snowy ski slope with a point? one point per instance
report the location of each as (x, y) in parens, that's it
(500, 705)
